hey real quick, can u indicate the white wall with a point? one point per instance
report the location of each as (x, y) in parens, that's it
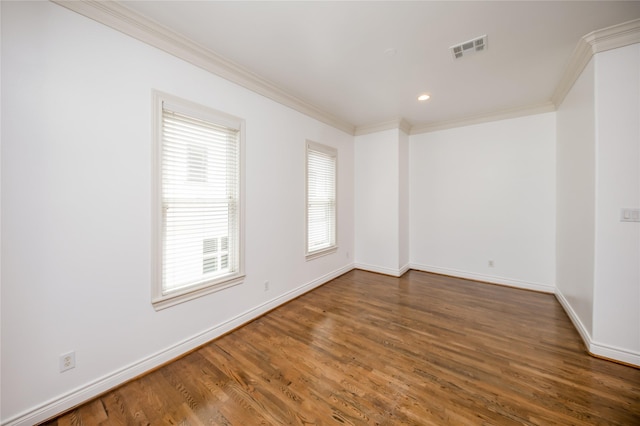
(403, 201)
(598, 274)
(376, 200)
(76, 157)
(575, 219)
(486, 192)
(381, 202)
(617, 272)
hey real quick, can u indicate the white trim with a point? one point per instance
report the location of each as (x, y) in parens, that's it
(596, 348)
(161, 302)
(615, 354)
(127, 21)
(382, 269)
(320, 253)
(109, 381)
(615, 36)
(595, 42)
(582, 330)
(492, 279)
(398, 123)
(484, 118)
(579, 59)
(161, 101)
(326, 149)
(403, 270)
(332, 152)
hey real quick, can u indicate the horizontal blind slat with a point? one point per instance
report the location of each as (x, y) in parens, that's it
(321, 190)
(200, 192)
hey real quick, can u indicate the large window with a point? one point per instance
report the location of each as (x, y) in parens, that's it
(197, 201)
(321, 199)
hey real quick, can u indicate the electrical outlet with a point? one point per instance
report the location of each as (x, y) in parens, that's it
(266, 286)
(491, 265)
(67, 361)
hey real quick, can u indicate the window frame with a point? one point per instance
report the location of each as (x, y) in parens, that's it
(333, 152)
(161, 299)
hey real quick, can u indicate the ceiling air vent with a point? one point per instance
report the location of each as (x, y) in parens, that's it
(468, 47)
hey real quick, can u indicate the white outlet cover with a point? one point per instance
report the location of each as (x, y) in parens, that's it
(67, 361)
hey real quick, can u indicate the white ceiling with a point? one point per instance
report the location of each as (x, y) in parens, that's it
(332, 54)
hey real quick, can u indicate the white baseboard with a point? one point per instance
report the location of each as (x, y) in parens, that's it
(596, 348)
(615, 354)
(575, 319)
(403, 270)
(116, 378)
(382, 270)
(545, 288)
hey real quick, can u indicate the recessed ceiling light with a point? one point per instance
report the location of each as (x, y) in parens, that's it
(423, 97)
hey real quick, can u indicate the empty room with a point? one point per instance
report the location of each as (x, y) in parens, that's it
(316, 212)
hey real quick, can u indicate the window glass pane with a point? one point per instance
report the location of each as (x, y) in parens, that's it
(321, 195)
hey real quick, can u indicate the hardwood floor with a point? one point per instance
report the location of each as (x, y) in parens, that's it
(370, 349)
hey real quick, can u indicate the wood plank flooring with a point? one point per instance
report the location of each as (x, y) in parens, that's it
(368, 349)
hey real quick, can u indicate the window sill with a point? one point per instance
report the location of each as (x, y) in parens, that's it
(173, 299)
(320, 253)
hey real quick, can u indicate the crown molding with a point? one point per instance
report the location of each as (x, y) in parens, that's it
(397, 123)
(485, 118)
(119, 17)
(595, 42)
(614, 37)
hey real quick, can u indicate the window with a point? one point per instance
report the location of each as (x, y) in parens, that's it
(321, 200)
(197, 201)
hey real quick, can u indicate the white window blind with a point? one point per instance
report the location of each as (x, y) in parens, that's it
(321, 199)
(199, 201)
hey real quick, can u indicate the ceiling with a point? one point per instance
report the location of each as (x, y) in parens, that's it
(367, 62)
